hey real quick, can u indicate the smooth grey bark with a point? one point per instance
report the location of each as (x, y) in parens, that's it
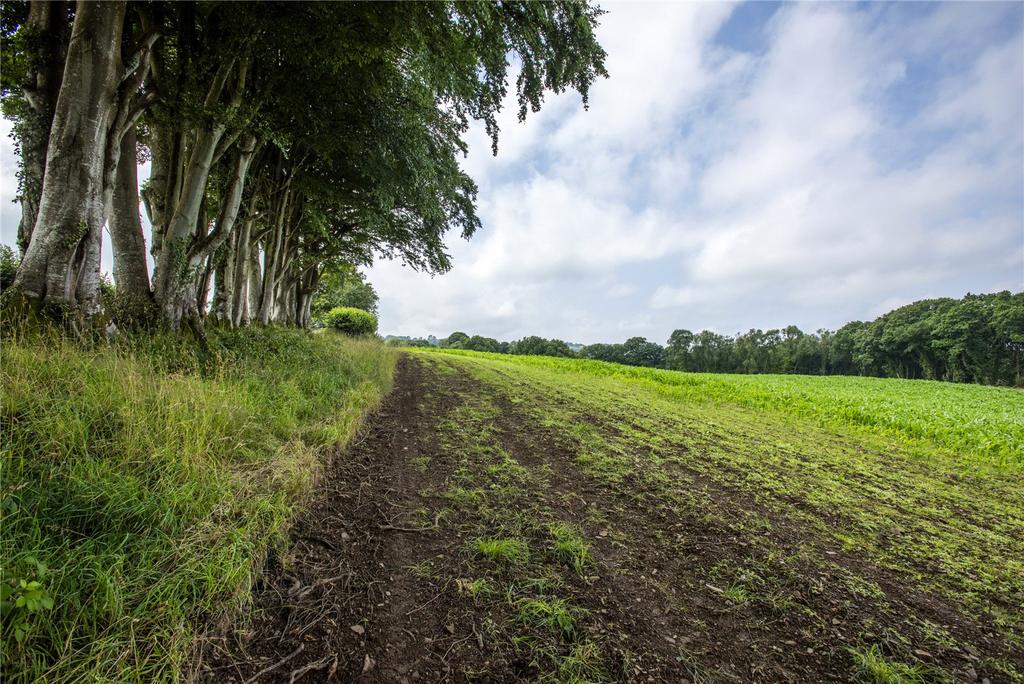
(255, 287)
(181, 254)
(131, 273)
(61, 265)
(46, 38)
(240, 284)
(224, 279)
(273, 257)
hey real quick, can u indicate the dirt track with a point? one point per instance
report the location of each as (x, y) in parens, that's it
(377, 584)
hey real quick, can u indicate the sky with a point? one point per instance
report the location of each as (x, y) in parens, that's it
(744, 166)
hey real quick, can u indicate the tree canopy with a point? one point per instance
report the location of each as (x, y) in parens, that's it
(286, 140)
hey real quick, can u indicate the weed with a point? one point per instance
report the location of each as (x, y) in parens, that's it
(509, 552)
(423, 569)
(548, 613)
(872, 666)
(569, 547)
(737, 593)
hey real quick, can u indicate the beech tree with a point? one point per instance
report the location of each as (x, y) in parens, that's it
(284, 139)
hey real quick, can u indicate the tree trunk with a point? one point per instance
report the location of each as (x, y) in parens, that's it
(224, 280)
(61, 265)
(131, 273)
(272, 258)
(240, 285)
(255, 288)
(46, 39)
(183, 254)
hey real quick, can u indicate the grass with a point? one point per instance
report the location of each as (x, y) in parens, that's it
(143, 483)
(507, 552)
(569, 547)
(872, 666)
(552, 614)
(986, 424)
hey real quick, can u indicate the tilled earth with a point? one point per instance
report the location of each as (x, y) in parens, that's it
(399, 570)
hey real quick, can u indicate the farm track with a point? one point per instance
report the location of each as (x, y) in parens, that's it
(685, 579)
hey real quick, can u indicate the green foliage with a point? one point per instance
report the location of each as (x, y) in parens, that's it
(569, 547)
(872, 666)
(509, 552)
(343, 287)
(9, 262)
(143, 482)
(455, 341)
(539, 346)
(548, 613)
(979, 338)
(351, 321)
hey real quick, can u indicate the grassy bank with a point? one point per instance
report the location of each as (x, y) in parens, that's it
(982, 424)
(143, 483)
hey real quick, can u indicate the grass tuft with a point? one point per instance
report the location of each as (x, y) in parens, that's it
(552, 614)
(872, 666)
(510, 552)
(569, 547)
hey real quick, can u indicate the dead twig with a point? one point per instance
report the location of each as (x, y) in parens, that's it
(279, 663)
(315, 665)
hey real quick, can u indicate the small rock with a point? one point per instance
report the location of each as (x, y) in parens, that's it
(450, 628)
(358, 629)
(602, 533)
(345, 536)
(368, 663)
(810, 650)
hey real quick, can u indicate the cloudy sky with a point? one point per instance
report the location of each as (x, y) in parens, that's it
(749, 165)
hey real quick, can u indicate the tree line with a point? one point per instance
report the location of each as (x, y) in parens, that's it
(977, 339)
(284, 140)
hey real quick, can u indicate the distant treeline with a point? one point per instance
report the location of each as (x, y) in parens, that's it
(979, 339)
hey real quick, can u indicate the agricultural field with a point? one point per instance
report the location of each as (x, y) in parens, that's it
(510, 518)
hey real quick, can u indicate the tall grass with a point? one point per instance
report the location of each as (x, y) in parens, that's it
(984, 423)
(141, 485)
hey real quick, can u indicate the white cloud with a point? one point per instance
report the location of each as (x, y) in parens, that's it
(808, 184)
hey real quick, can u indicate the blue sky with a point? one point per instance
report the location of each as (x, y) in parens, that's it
(752, 165)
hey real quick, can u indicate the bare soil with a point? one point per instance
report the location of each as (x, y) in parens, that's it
(374, 586)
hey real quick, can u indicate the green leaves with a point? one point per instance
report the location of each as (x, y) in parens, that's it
(22, 597)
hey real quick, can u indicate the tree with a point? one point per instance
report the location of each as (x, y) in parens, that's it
(637, 351)
(285, 139)
(96, 105)
(344, 287)
(456, 340)
(677, 353)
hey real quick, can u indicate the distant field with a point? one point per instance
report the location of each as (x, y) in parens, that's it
(982, 424)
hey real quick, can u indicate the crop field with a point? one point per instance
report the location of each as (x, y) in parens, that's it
(507, 518)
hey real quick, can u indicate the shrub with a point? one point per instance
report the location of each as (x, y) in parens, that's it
(351, 321)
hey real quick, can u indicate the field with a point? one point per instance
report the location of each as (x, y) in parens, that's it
(507, 518)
